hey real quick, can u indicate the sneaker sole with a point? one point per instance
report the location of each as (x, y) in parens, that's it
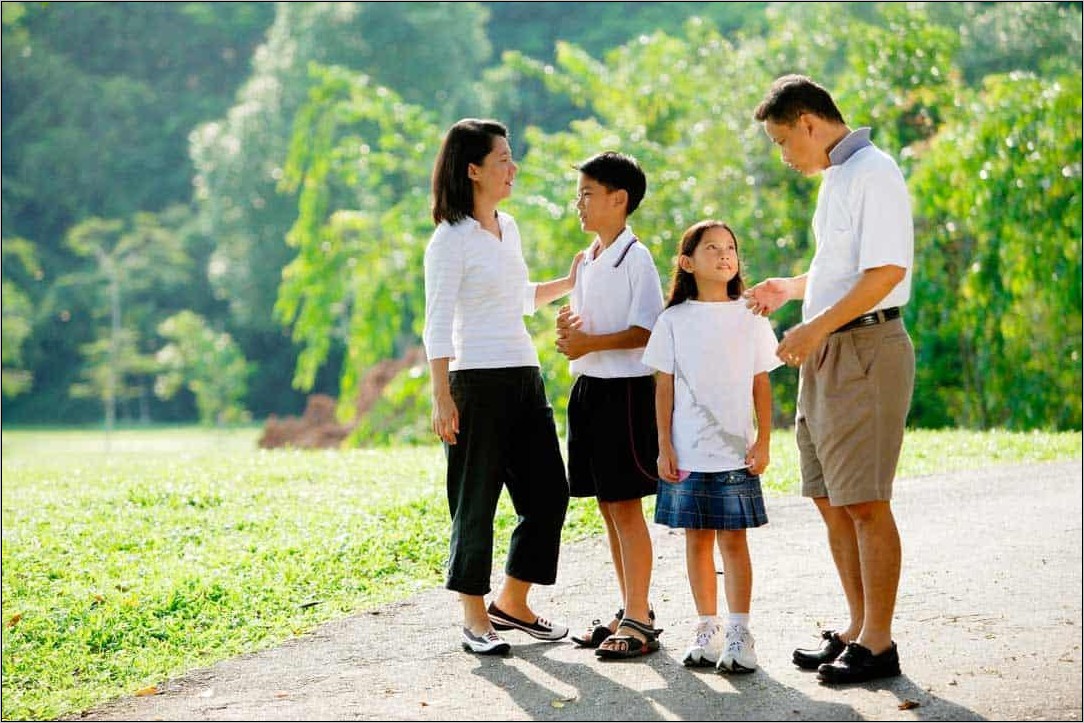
(702, 663)
(495, 650)
(735, 669)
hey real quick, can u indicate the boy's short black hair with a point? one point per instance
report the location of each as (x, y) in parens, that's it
(792, 95)
(617, 171)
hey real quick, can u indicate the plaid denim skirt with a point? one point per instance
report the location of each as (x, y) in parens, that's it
(712, 501)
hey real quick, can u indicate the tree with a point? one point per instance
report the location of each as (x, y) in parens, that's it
(240, 159)
(207, 363)
(361, 159)
(998, 280)
(130, 257)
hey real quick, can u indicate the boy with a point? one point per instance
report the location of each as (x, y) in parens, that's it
(612, 437)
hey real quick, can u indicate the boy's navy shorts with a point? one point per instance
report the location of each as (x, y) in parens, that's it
(613, 443)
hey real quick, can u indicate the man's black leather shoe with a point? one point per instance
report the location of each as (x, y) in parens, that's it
(811, 659)
(857, 665)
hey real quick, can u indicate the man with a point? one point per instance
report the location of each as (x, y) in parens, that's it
(856, 360)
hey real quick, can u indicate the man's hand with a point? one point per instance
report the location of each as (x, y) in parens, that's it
(767, 296)
(799, 342)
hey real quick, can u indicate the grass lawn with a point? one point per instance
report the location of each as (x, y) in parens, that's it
(172, 549)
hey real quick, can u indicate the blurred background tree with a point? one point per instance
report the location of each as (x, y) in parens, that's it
(208, 363)
(284, 151)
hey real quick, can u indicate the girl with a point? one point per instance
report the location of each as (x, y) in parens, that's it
(713, 356)
(489, 404)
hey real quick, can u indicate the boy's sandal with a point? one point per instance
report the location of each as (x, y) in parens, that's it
(630, 646)
(597, 632)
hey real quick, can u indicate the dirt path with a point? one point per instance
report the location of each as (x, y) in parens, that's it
(988, 624)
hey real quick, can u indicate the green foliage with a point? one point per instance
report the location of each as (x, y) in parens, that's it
(114, 109)
(18, 314)
(208, 363)
(998, 283)
(182, 547)
(361, 157)
(1041, 37)
(402, 414)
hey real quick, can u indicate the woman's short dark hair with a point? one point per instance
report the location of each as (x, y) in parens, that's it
(792, 95)
(468, 141)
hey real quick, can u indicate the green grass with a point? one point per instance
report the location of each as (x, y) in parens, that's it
(173, 549)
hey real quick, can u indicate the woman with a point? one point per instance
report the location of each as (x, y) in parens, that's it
(489, 403)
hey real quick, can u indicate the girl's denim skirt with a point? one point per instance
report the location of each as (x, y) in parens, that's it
(712, 501)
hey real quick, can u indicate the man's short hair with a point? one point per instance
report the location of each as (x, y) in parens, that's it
(792, 95)
(617, 171)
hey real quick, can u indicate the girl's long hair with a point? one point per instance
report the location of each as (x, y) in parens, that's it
(683, 284)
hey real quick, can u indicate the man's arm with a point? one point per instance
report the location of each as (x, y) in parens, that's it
(875, 284)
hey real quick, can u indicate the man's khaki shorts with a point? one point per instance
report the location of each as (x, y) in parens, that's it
(853, 397)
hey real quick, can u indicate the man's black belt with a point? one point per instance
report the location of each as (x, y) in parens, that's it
(871, 319)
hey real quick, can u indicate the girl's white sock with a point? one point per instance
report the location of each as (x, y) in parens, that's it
(738, 619)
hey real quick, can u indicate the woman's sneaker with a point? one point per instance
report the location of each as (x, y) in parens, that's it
(488, 644)
(739, 653)
(706, 648)
(541, 628)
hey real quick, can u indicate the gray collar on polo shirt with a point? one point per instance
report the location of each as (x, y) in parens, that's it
(852, 143)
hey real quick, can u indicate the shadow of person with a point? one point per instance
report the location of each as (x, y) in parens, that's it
(549, 689)
(922, 704)
(546, 684)
(703, 694)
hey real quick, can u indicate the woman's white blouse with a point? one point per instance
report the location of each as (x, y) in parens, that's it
(476, 294)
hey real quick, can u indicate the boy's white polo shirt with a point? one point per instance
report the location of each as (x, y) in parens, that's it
(610, 297)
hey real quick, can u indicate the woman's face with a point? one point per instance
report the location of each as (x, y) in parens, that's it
(493, 179)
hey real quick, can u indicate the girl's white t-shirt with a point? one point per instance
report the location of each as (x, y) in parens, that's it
(713, 349)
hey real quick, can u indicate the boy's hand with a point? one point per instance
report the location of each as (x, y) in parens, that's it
(757, 457)
(668, 469)
(571, 342)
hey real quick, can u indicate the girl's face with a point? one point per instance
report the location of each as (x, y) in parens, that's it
(493, 179)
(715, 258)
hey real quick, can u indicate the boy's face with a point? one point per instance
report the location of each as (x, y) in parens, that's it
(598, 207)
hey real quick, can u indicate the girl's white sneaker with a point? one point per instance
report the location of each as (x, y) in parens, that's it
(707, 646)
(739, 653)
